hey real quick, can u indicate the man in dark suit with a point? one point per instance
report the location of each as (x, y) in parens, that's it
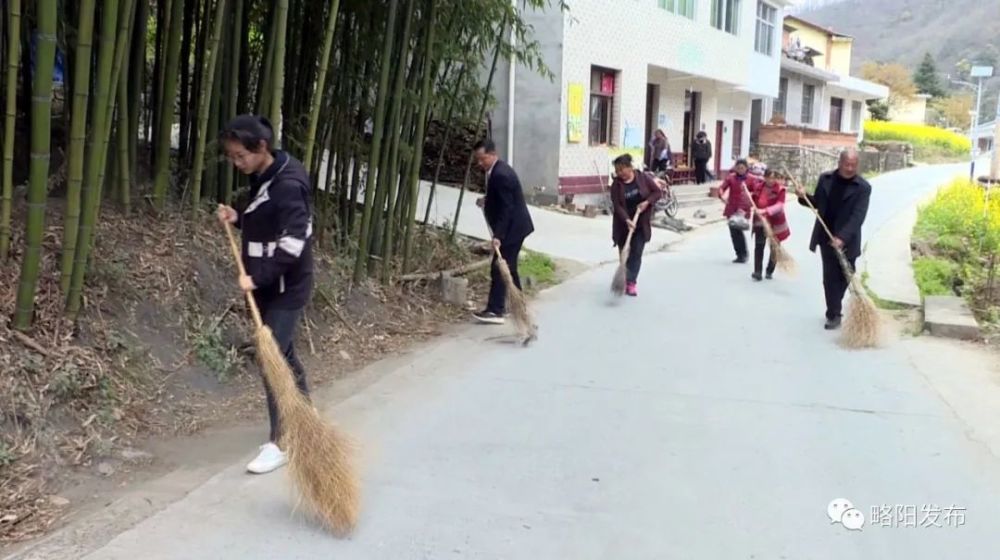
(509, 220)
(841, 198)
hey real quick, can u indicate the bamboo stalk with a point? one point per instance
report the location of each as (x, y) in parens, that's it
(38, 181)
(166, 108)
(279, 70)
(208, 78)
(360, 264)
(479, 120)
(425, 98)
(10, 124)
(324, 61)
(77, 140)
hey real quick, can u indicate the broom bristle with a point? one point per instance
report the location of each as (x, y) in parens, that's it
(319, 455)
(516, 304)
(619, 280)
(862, 325)
(782, 258)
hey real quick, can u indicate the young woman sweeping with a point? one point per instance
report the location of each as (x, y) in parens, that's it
(769, 200)
(276, 223)
(632, 194)
(737, 210)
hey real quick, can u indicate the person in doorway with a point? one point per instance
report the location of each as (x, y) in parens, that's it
(509, 221)
(276, 222)
(662, 160)
(841, 199)
(769, 199)
(632, 192)
(701, 152)
(737, 210)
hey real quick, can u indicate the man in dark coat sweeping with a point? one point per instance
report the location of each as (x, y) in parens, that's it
(508, 217)
(841, 199)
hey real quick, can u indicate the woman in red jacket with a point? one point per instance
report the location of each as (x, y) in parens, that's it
(632, 191)
(737, 209)
(769, 198)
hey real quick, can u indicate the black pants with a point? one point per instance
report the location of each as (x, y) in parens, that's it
(700, 170)
(498, 290)
(739, 242)
(634, 261)
(283, 323)
(834, 281)
(759, 242)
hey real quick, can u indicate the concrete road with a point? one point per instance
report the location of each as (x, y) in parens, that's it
(711, 418)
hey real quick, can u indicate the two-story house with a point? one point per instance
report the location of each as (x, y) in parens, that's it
(624, 68)
(816, 89)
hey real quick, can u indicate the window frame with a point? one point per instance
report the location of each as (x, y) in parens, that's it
(808, 116)
(683, 8)
(765, 30)
(781, 102)
(725, 16)
(602, 134)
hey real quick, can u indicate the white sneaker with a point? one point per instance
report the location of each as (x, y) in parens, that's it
(270, 458)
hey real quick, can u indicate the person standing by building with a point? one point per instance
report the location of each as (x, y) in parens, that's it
(769, 199)
(660, 156)
(701, 152)
(276, 222)
(737, 210)
(632, 192)
(510, 223)
(841, 198)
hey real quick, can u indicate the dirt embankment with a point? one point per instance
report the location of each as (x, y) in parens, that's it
(161, 351)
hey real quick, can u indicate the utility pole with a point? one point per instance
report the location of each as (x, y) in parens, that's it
(979, 72)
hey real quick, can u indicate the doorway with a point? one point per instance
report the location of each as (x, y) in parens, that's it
(836, 114)
(692, 120)
(756, 118)
(720, 129)
(652, 111)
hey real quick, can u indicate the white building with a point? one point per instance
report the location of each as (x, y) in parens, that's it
(816, 89)
(624, 68)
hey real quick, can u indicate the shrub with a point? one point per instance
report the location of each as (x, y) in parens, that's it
(921, 136)
(935, 276)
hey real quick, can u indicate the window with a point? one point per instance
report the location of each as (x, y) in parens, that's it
(856, 116)
(726, 15)
(680, 7)
(737, 139)
(602, 102)
(808, 97)
(766, 16)
(781, 103)
(836, 114)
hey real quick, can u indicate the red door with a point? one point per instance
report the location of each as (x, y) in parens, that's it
(719, 129)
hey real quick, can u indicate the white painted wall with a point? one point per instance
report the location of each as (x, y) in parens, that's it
(647, 44)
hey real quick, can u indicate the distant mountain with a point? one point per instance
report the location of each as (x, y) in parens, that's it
(903, 30)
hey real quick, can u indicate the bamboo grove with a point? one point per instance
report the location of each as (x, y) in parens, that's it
(143, 86)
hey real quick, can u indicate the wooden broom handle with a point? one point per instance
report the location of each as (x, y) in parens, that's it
(254, 310)
(750, 198)
(809, 202)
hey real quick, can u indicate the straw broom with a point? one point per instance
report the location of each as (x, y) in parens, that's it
(618, 281)
(516, 302)
(782, 259)
(862, 325)
(319, 454)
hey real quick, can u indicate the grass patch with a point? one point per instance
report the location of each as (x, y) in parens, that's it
(957, 241)
(540, 268)
(935, 276)
(211, 351)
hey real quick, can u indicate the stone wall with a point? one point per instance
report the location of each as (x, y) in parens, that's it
(804, 163)
(880, 157)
